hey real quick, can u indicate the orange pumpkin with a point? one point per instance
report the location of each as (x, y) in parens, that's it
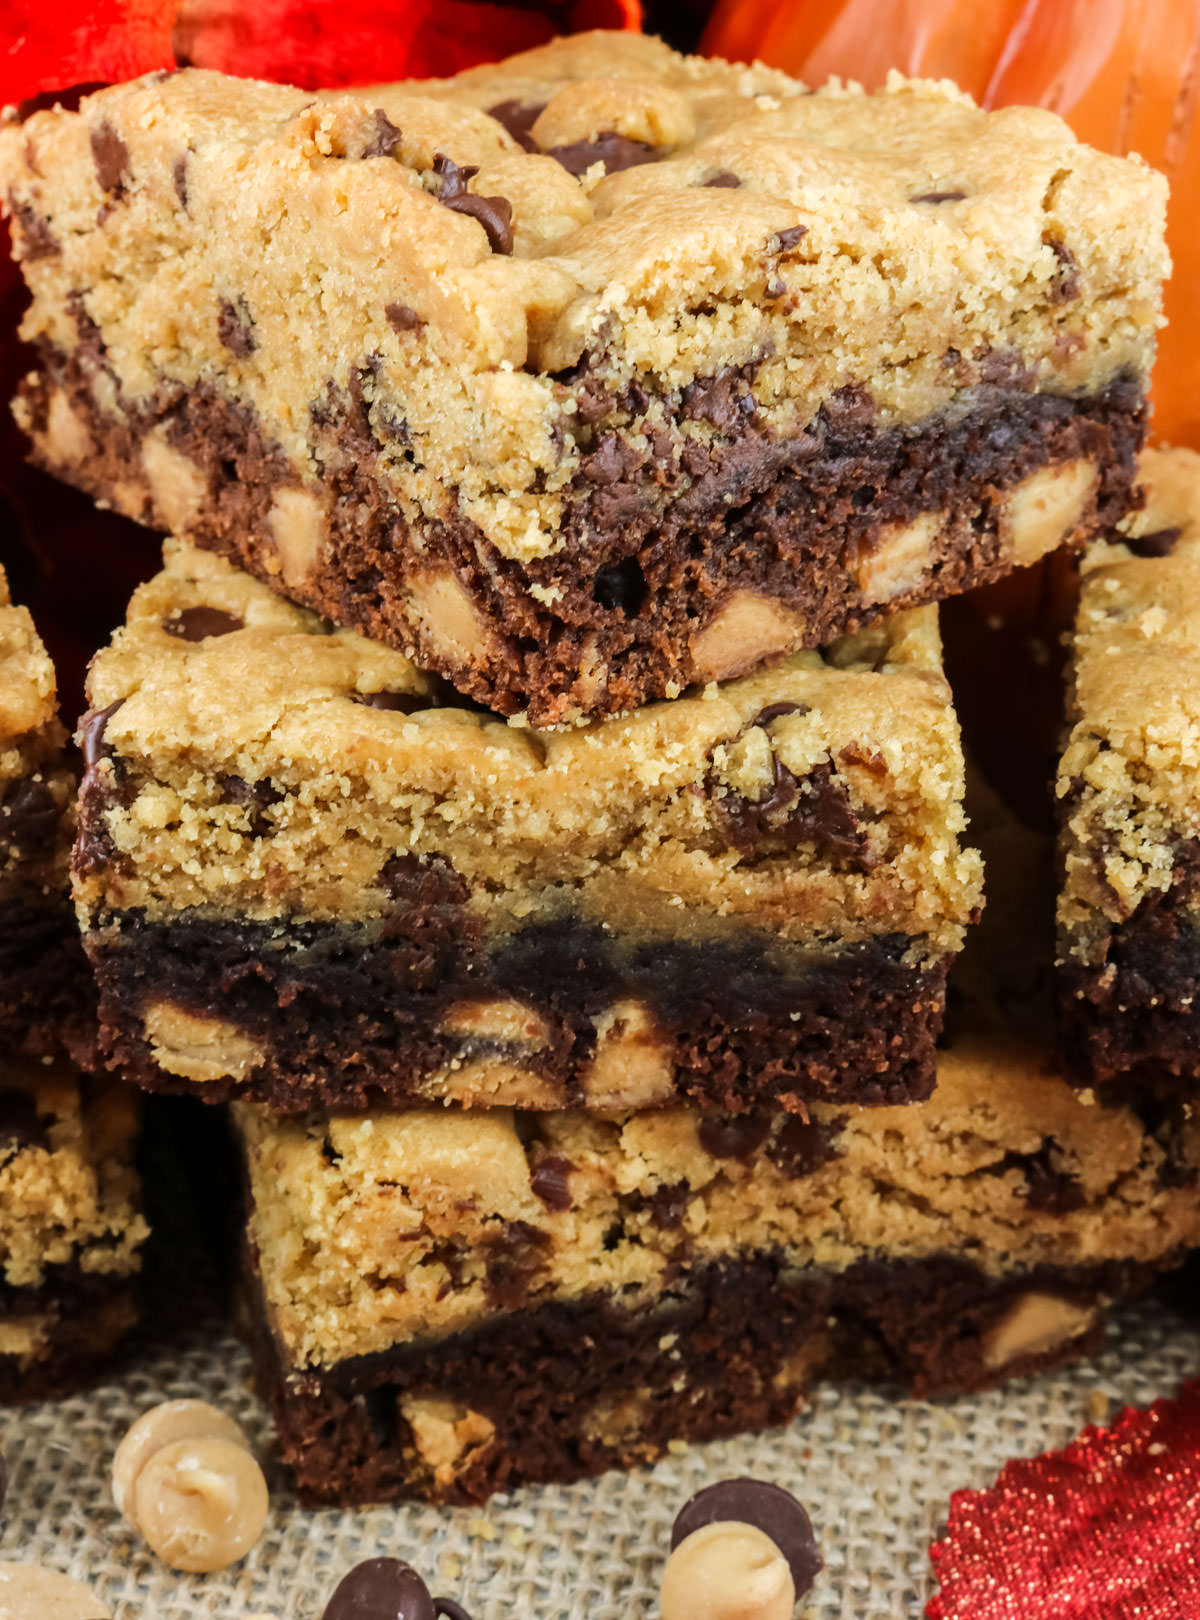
(1124, 73)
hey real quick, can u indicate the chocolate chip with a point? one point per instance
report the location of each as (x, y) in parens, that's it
(1048, 1189)
(788, 238)
(201, 623)
(29, 816)
(20, 1125)
(621, 586)
(397, 702)
(796, 810)
(610, 461)
(873, 763)
(38, 241)
(938, 197)
(402, 318)
(614, 151)
(1159, 543)
(776, 711)
(236, 329)
(179, 179)
(111, 157)
(849, 407)
(801, 1147)
(724, 178)
(736, 1138)
(551, 1181)
(493, 213)
(68, 99)
(420, 883)
(385, 139)
(381, 1589)
(768, 1508)
(1006, 368)
(91, 734)
(513, 1260)
(518, 118)
(1066, 282)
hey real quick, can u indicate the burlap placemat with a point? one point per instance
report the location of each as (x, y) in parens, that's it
(875, 1473)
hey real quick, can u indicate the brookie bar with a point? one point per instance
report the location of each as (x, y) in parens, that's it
(450, 1304)
(71, 1228)
(310, 873)
(45, 987)
(1129, 795)
(596, 373)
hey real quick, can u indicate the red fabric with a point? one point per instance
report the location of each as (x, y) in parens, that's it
(51, 44)
(1108, 1529)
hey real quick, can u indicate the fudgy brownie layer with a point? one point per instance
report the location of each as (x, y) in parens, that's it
(47, 995)
(650, 557)
(1132, 1021)
(570, 1390)
(353, 1017)
(73, 1323)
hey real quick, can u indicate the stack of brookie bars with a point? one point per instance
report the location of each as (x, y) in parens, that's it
(530, 793)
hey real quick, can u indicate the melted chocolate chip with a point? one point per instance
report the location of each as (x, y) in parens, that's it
(610, 461)
(736, 1138)
(493, 213)
(776, 711)
(551, 1181)
(179, 179)
(873, 763)
(381, 1589)
(723, 400)
(724, 179)
(236, 329)
(801, 1147)
(1160, 543)
(1048, 1189)
(20, 1124)
(666, 1206)
(938, 197)
(29, 816)
(402, 318)
(111, 157)
(518, 118)
(615, 151)
(397, 702)
(783, 240)
(414, 882)
(68, 99)
(201, 623)
(91, 734)
(768, 1508)
(814, 809)
(621, 586)
(514, 1258)
(386, 138)
(1066, 282)
(257, 797)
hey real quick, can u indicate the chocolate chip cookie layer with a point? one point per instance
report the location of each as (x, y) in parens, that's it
(455, 1303)
(45, 988)
(309, 873)
(71, 1228)
(1129, 795)
(595, 373)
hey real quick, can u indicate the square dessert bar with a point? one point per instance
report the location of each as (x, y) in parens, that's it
(71, 1227)
(310, 873)
(450, 1304)
(596, 373)
(45, 987)
(1129, 796)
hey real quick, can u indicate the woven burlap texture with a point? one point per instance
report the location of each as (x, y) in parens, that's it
(875, 1472)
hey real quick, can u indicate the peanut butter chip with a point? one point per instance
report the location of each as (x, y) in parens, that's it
(28, 1592)
(727, 1571)
(185, 1477)
(201, 1504)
